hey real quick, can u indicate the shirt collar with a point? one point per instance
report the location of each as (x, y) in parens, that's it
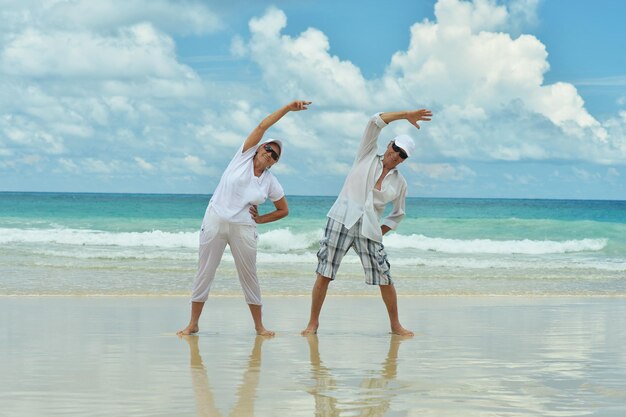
(380, 161)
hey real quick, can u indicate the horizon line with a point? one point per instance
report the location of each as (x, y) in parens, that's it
(304, 195)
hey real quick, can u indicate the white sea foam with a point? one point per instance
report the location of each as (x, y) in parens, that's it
(489, 246)
(284, 240)
(84, 237)
(298, 261)
(278, 240)
(121, 254)
(511, 263)
(307, 261)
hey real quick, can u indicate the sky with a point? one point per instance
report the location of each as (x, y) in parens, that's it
(155, 96)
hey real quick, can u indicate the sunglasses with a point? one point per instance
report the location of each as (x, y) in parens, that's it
(272, 152)
(398, 149)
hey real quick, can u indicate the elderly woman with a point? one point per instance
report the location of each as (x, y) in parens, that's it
(232, 215)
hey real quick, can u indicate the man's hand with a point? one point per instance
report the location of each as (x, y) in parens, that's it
(415, 116)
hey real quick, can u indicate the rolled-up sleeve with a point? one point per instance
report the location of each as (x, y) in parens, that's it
(397, 212)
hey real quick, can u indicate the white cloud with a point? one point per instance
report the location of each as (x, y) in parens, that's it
(561, 103)
(146, 166)
(615, 81)
(184, 17)
(337, 168)
(523, 13)
(196, 165)
(585, 175)
(238, 47)
(89, 93)
(68, 165)
(283, 169)
(24, 134)
(302, 66)
(517, 152)
(30, 163)
(101, 167)
(137, 51)
(104, 92)
(459, 61)
(442, 172)
(474, 16)
(486, 86)
(31, 159)
(521, 179)
(228, 127)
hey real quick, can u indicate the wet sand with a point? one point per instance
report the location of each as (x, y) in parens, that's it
(472, 356)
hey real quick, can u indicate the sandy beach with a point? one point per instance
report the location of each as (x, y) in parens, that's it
(472, 356)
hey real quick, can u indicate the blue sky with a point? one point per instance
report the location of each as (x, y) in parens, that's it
(155, 96)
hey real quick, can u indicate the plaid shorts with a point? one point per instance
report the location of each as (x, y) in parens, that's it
(338, 240)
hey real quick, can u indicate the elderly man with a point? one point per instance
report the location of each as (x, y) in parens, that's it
(354, 219)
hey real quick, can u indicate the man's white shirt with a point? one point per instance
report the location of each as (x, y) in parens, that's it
(358, 198)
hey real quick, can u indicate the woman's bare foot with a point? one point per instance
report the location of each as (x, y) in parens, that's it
(401, 331)
(310, 330)
(264, 332)
(191, 329)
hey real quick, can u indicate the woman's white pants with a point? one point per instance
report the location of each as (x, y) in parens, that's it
(215, 234)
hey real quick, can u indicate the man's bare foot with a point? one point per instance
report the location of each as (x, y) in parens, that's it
(401, 331)
(310, 330)
(264, 332)
(191, 329)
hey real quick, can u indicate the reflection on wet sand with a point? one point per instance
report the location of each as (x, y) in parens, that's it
(377, 397)
(205, 402)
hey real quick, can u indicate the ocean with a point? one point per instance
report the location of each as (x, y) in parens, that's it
(146, 244)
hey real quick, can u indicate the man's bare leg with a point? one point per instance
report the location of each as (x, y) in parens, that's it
(317, 300)
(192, 327)
(388, 292)
(257, 316)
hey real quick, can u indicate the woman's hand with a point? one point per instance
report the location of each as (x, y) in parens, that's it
(298, 105)
(257, 134)
(282, 210)
(254, 213)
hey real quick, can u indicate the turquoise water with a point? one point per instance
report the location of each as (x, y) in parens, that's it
(66, 243)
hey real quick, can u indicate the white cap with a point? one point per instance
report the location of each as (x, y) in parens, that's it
(276, 141)
(406, 143)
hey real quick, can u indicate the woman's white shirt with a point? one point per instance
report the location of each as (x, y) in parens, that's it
(239, 189)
